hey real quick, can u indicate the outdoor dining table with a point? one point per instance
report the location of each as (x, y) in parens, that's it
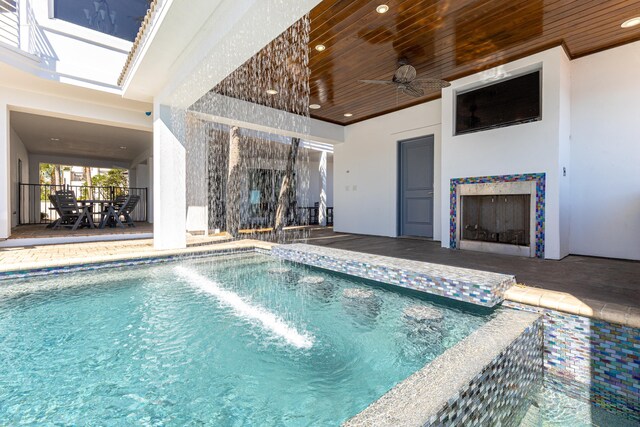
(92, 202)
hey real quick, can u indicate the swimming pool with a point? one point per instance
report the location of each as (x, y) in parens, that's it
(235, 340)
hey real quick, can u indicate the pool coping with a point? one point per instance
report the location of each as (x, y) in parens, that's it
(421, 396)
(566, 303)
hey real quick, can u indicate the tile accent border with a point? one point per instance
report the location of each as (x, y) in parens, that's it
(591, 359)
(483, 380)
(540, 180)
(462, 284)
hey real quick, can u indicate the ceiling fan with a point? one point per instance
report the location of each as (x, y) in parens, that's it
(404, 79)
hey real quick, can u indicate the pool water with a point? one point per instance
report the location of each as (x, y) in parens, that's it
(236, 340)
(552, 408)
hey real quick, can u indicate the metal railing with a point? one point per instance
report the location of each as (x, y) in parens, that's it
(9, 23)
(310, 215)
(34, 206)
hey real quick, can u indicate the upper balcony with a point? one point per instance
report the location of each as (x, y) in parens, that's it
(84, 43)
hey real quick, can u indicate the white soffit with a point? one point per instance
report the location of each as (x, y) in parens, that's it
(180, 60)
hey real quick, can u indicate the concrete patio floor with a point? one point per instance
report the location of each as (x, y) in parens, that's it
(606, 280)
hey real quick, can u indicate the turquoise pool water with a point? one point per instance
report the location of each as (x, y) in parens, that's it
(233, 341)
(552, 408)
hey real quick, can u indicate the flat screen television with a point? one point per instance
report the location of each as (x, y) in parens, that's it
(505, 103)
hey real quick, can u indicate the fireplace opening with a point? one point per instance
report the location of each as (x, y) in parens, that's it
(497, 219)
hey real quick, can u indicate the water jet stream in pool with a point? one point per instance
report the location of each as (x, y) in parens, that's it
(268, 320)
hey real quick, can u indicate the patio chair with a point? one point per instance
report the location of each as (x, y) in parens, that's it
(121, 207)
(54, 207)
(71, 215)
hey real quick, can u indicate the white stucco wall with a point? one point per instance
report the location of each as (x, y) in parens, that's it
(525, 148)
(365, 186)
(18, 152)
(605, 154)
(365, 170)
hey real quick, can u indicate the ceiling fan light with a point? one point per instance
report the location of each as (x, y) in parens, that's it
(631, 22)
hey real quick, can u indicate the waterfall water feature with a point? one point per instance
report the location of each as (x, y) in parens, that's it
(238, 139)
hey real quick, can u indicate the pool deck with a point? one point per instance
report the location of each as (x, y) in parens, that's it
(608, 280)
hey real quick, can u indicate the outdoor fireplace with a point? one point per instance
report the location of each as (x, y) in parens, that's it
(497, 217)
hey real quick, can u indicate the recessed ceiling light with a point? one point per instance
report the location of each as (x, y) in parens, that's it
(348, 114)
(320, 47)
(383, 8)
(122, 147)
(272, 91)
(631, 22)
(55, 139)
(314, 106)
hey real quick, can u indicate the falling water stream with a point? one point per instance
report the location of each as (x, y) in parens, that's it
(238, 143)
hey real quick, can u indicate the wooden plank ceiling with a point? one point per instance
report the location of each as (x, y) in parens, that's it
(442, 39)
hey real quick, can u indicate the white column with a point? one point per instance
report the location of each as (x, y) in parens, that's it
(5, 178)
(169, 182)
(150, 190)
(322, 210)
(197, 174)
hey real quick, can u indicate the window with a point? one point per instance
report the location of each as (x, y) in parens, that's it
(119, 18)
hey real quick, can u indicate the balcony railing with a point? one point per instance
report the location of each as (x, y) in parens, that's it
(9, 23)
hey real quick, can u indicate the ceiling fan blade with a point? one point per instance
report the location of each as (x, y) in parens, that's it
(431, 83)
(404, 74)
(378, 82)
(413, 91)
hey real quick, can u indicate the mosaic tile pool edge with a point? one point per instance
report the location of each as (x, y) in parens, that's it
(591, 359)
(540, 180)
(459, 290)
(20, 274)
(498, 394)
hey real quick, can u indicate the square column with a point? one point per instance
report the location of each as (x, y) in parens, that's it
(169, 180)
(5, 178)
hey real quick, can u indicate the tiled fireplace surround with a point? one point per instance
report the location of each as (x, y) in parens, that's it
(537, 179)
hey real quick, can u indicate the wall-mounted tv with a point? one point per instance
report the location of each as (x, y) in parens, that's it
(505, 103)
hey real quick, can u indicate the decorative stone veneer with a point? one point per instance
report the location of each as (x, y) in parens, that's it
(482, 381)
(591, 359)
(540, 180)
(473, 286)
